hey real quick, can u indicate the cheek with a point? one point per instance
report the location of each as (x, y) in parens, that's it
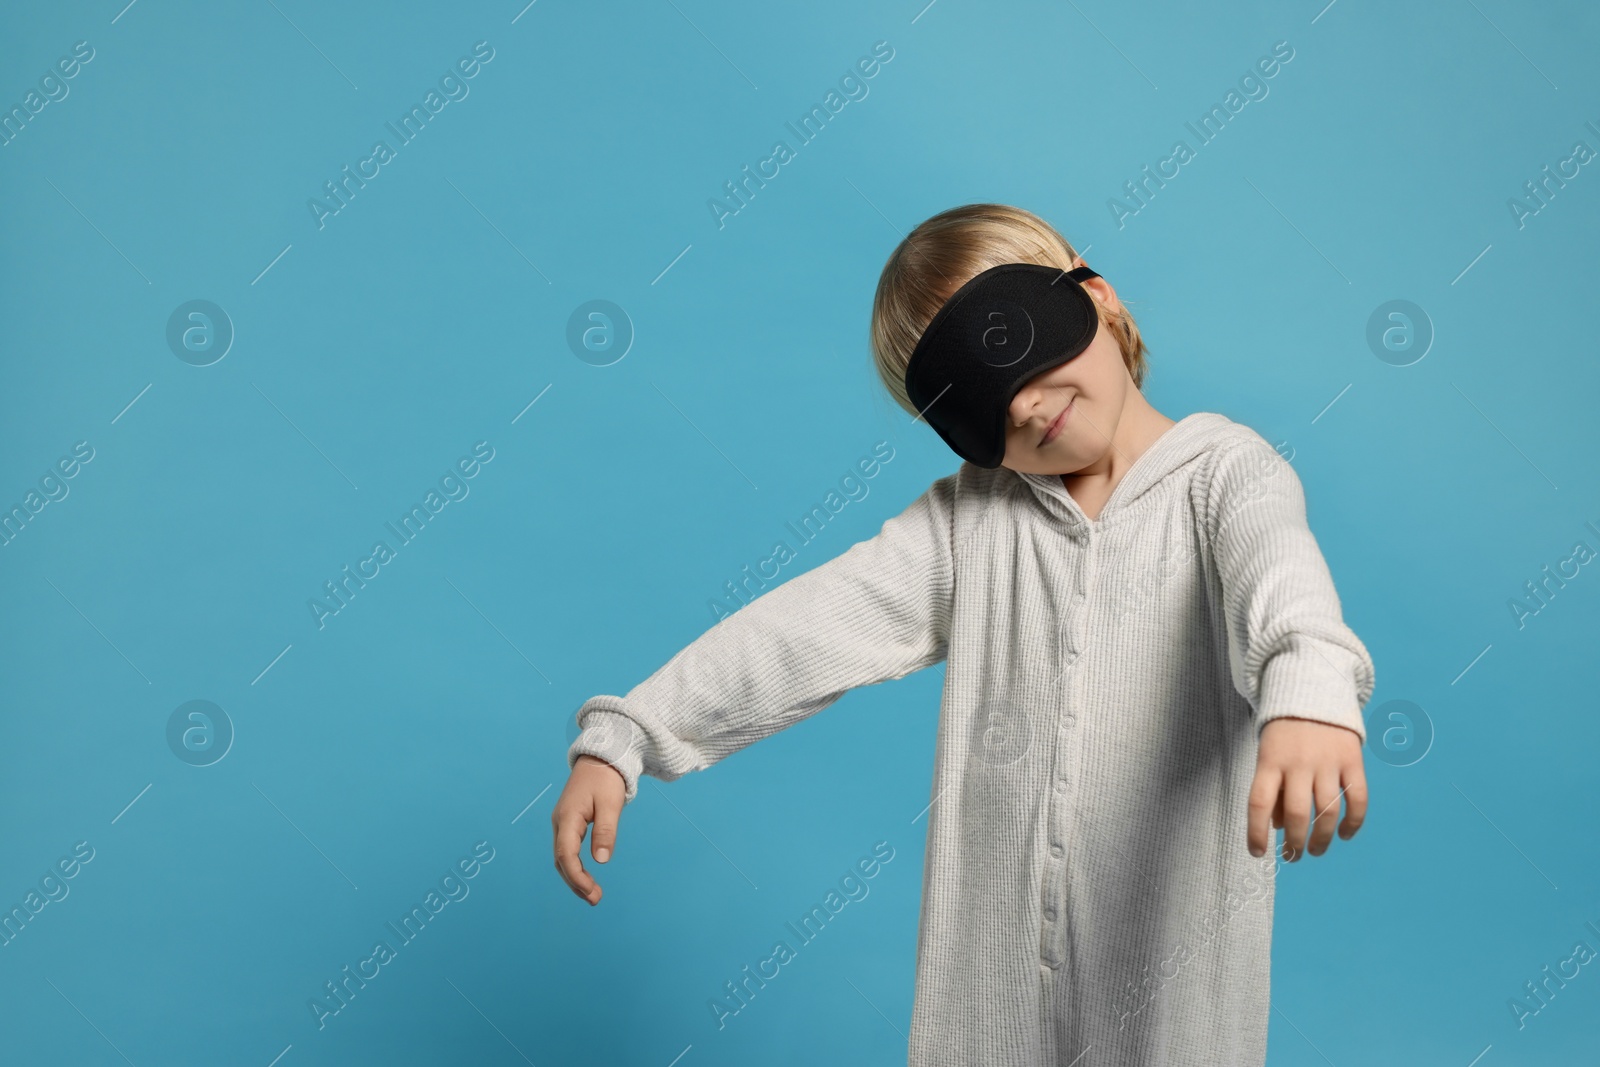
(1108, 356)
(1020, 453)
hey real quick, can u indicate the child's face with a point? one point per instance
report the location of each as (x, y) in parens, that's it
(1091, 387)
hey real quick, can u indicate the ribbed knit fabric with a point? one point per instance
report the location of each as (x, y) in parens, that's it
(1087, 886)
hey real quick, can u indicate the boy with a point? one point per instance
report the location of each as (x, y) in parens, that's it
(1146, 666)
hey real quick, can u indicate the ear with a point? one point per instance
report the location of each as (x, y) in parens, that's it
(1102, 291)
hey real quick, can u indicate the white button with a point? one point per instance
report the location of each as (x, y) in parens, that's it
(1050, 915)
(1061, 785)
(1055, 850)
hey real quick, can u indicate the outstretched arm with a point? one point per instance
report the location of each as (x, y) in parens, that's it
(1290, 653)
(876, 612)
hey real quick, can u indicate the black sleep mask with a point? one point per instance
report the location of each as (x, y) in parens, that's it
(1000, 329)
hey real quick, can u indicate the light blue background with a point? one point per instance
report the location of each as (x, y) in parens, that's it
(432, 712)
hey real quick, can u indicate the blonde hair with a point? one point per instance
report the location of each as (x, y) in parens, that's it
(946, 251)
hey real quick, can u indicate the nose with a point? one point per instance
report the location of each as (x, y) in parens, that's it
(1025, 403)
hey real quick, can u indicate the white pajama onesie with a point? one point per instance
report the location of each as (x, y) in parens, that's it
(1087, 889)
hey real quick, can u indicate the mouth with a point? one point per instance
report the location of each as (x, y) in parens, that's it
(1052, 431)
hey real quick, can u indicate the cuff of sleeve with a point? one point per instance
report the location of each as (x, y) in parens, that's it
(1311, 682)
(609, 734)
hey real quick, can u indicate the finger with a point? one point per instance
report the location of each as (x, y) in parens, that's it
(1326, 794)
(1296, 813)
(603, 841)
(1355, 800)
(570, 825)
(1263, 796)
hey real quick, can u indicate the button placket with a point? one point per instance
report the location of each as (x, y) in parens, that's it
(1052, 934)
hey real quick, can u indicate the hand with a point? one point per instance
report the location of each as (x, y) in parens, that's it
(594, 793)
(1301, 763)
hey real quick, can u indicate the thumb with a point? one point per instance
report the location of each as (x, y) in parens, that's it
(607, 810)
(1263, 798)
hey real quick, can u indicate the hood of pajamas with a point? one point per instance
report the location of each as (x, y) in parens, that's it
(1087, 883)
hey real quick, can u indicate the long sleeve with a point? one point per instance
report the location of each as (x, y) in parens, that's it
(1289, 650)
(876, 612)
